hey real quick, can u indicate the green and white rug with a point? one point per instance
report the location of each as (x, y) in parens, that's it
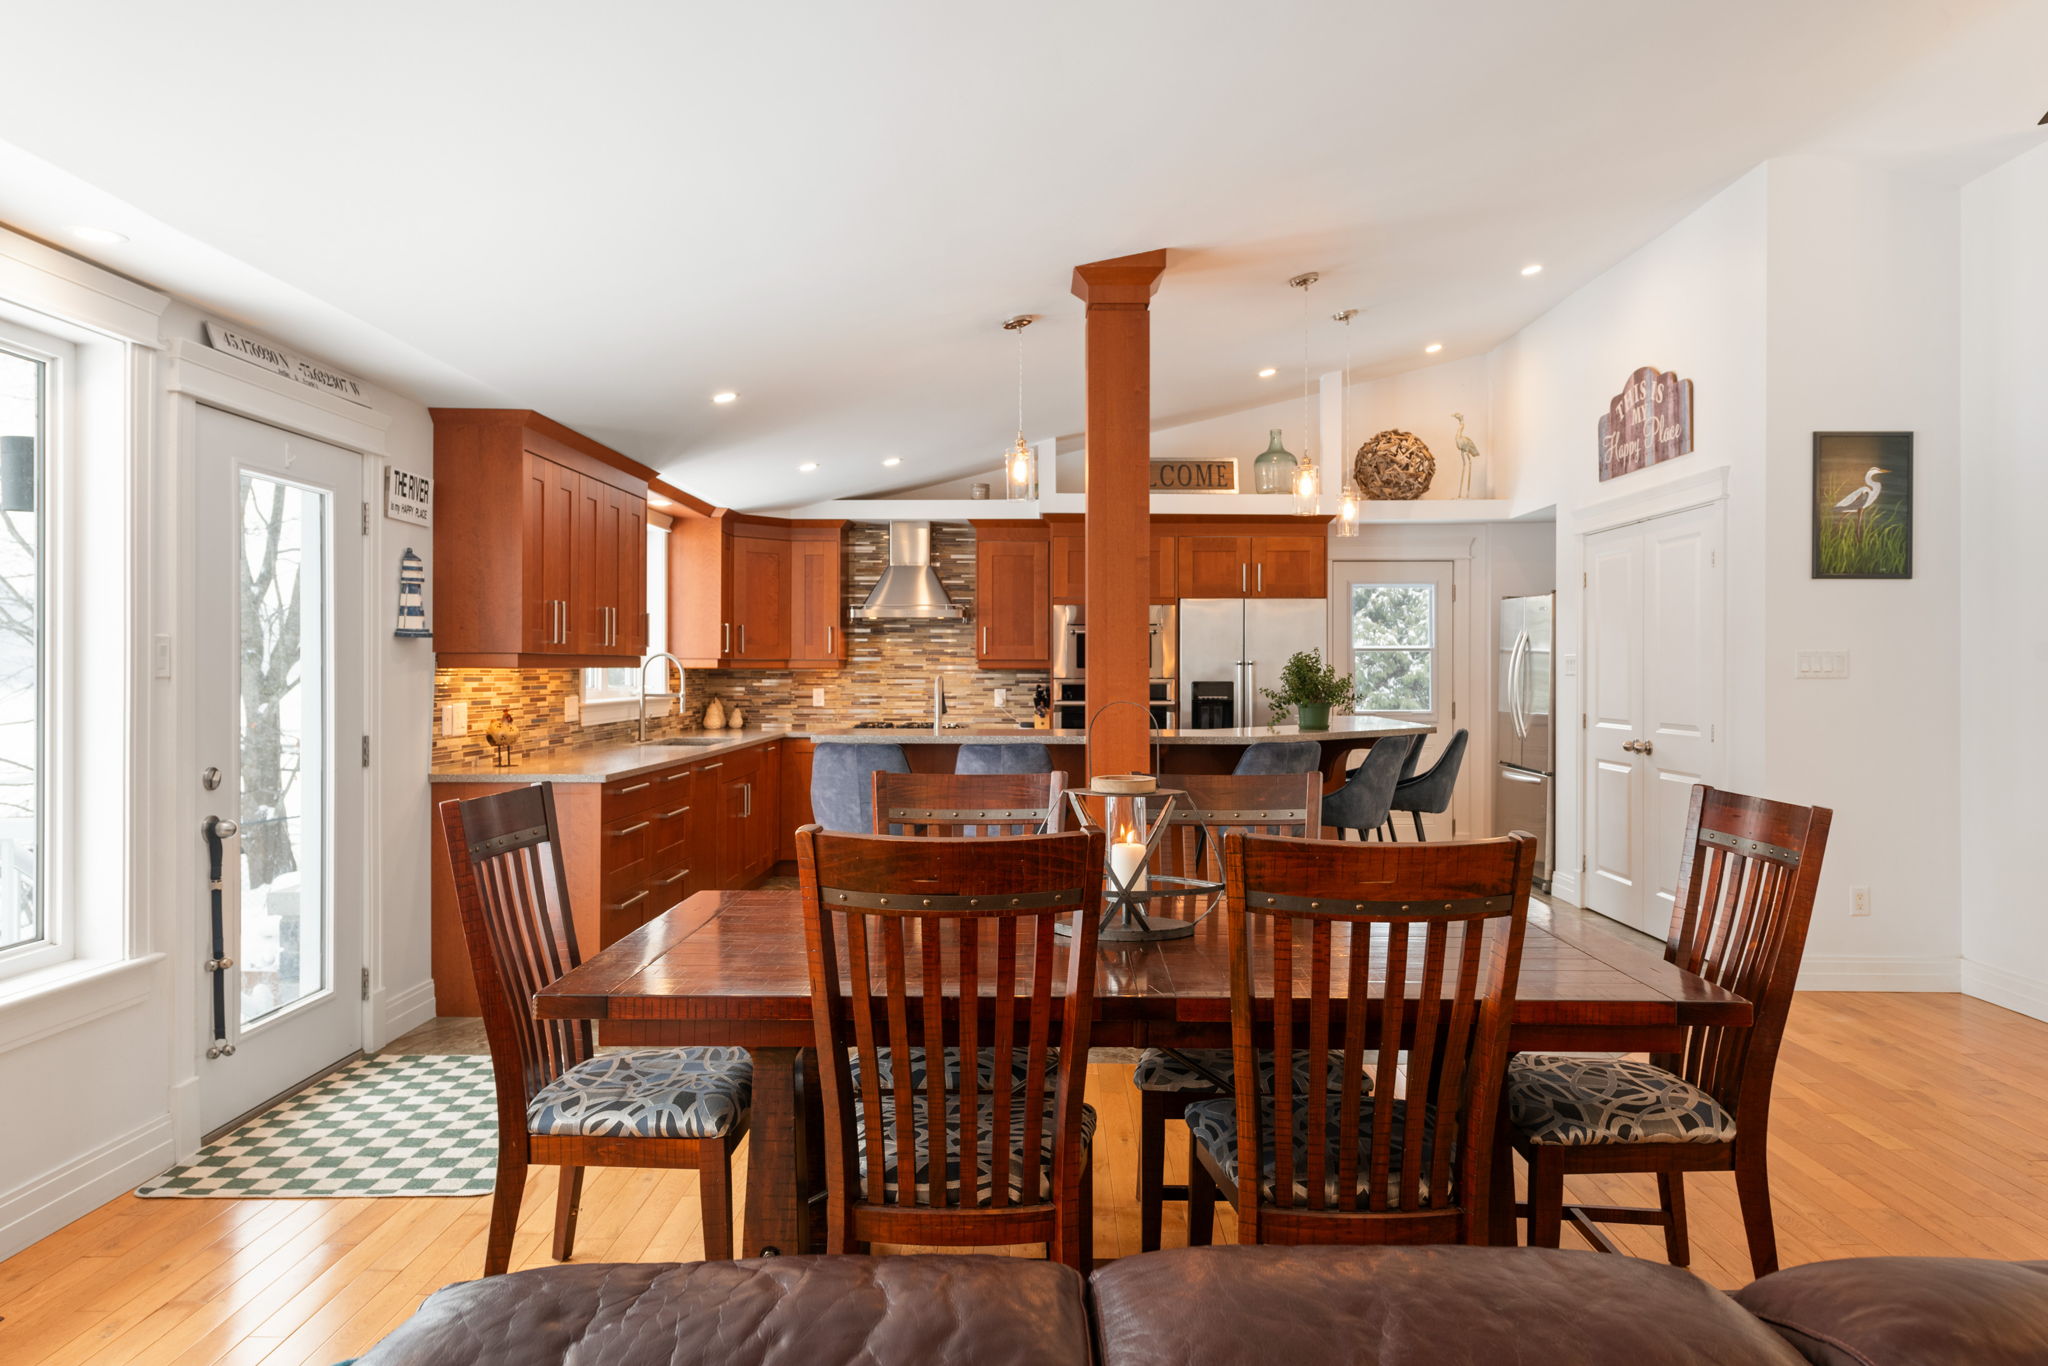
(421, 1124)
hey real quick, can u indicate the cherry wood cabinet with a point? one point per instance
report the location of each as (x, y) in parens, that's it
(756, 592)
(540, 544)
(1252, 561)
(1012, 595)
(1069, 552)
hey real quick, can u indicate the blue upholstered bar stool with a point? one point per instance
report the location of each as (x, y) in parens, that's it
(1367, 796)
(1430, 792)
(1029, 757)
(842, 782)
(1280, 756)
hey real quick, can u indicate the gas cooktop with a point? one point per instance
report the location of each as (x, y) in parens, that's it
(906, 725)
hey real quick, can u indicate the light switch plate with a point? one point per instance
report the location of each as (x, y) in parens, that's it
(454, 718)
(572, 708)
(1002, 697)
(817, 697)
(1568, 666)
(1821, 664)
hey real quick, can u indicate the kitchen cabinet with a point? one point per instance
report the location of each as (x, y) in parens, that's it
(1252, 564)
(540, 544)
(755, 592)
(1012, 595)
(1070, 561)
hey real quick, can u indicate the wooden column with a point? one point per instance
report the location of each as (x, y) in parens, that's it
(1118, 294)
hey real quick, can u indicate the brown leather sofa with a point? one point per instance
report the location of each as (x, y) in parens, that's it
(1287, 1306)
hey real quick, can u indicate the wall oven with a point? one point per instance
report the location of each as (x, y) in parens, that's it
(1070, 665)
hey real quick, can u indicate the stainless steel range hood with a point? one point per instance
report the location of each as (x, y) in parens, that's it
(909, 589)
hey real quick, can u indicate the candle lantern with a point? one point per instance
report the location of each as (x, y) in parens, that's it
(412, 596)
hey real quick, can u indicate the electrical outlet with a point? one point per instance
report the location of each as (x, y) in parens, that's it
(162, 656)
(455, 718)
(1002, 698)
(1568, 666)
(817, 697)
(572, 708)
(1859, 901)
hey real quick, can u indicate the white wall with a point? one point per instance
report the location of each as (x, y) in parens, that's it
(2004, 803)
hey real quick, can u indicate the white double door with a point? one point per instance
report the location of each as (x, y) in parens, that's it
(279, 677)
(1655, 664)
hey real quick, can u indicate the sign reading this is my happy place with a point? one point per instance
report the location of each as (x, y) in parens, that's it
(279, 361)
(1647, 423)
(1194, 476)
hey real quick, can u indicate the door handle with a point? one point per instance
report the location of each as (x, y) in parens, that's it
(1515, 685)
(1639, 747)
(1512, 776)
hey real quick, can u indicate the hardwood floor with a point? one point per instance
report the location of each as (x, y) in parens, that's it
(1904, 1124)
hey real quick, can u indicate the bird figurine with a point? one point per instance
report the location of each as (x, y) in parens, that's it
(1863, 498)
(503, 734)
(1467, 453)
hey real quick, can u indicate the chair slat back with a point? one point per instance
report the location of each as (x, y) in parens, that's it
(1251, 803)
(1740, 919)
(945, 941)
(968, 804)
(1339, 948)
(506, 853)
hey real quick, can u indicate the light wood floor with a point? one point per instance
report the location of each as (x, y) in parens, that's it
(1904, 1124)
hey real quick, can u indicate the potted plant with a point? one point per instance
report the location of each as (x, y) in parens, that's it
(1309, 686)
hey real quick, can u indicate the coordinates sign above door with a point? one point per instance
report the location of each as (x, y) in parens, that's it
(279, 361)
(1647, 423)
(1194, 476)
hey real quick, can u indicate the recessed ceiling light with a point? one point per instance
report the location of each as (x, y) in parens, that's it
(893, 461)
(726, 397)
(1433, 348)
(807, 467)
(1533, 268)
(100, 237)
(1268, 373)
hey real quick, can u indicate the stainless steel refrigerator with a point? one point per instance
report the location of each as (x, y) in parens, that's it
(1232, 647)
(1524, 739)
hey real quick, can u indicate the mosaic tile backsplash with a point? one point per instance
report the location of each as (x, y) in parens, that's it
(887, 675)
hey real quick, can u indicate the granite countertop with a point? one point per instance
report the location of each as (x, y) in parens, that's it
(604, 763)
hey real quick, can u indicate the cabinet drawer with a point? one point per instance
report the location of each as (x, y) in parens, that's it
(632, 796)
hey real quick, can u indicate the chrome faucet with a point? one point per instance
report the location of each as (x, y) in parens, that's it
(938, 700)
(681, 677)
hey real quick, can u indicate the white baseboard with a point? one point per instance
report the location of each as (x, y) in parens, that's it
(2014, 991)
(1852, 973)
(393, 1013)
(45, 1204)
(186, 1130)
(1565, 886)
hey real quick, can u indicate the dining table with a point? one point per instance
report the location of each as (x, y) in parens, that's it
(731, 967)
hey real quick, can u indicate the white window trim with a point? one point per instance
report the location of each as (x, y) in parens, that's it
(1438, 685)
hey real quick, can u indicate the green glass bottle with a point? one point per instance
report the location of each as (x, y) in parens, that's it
(1273, 471)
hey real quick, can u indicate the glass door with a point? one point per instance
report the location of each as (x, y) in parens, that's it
(281, 587)
(1393, 618)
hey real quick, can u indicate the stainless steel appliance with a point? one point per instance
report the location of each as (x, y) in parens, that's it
(1523, 737)
(1232, 647)
(1070, 664)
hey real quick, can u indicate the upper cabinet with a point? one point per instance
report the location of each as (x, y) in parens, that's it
(1251, 560)
(540, 544)
(755, 592)
(1012, 597)
(1069, 534)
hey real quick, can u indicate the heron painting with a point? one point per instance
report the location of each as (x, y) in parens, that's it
(1863, 505)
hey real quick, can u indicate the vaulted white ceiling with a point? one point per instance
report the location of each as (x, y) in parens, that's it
(610, 212)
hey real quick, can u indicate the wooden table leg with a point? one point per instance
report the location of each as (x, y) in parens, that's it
(777, 1216)
(1500, 1198)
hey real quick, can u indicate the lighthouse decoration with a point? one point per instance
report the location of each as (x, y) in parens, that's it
(412, 596)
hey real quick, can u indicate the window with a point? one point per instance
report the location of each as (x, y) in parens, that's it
(1393, 646)
(602, 686)
(26, 381)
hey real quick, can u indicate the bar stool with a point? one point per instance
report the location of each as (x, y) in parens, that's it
(1429, 792)
(842, 782)
(1028, 757)
(1367, 796)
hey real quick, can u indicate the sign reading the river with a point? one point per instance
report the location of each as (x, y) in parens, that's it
(279, 361)
(1647, 423)
(1194, 476)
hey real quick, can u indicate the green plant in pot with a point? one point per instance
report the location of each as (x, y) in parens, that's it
(1311, 687)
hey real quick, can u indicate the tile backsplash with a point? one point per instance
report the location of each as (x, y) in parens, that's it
(887, 675)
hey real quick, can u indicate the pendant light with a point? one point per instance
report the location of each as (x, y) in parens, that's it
(1349, 500)
(1020, 466)
(1308, 478)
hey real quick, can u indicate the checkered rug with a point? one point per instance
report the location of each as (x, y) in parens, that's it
(411, 1125)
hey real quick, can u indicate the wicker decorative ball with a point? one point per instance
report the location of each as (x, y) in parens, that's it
(1394, 465)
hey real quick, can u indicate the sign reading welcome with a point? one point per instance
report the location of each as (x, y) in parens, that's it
(1194, 476)
(279, 361)
(1647, 423)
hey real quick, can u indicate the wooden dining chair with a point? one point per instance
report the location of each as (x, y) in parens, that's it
(558, 1102)
(968, 803)
(1170, 1079)
(1337, 949)
(948, 944)
(1739, 920)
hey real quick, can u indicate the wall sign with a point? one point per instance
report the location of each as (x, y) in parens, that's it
(1647, 423)
(1194, 476)
(409, 497)
(279, 361)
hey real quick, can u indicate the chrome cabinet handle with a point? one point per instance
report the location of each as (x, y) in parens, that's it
(636, 787)
(1243, 573)
(674, 879)
(678, 777)
(727, 647)
(671, 815)
(708, 767)
(984, 640)
(747, 791)
(828, 639)
(637, 896)
(1260, 587)
(743, 637)
(636, 826)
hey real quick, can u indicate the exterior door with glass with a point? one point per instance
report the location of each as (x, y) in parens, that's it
(1396, 618)
(279, 632)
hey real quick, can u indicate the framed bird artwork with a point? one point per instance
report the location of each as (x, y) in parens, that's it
(1863, 505)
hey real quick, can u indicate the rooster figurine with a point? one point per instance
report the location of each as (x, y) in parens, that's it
(1467, 453)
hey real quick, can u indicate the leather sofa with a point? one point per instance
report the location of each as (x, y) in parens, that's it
(1291, 1306)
